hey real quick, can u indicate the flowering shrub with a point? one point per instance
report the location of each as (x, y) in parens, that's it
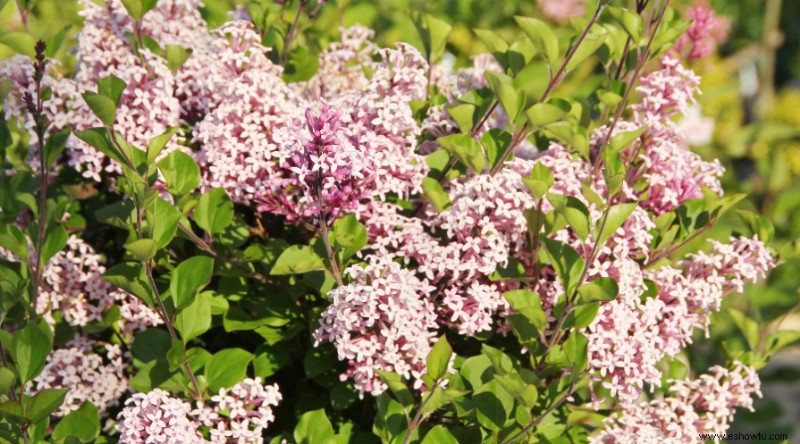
(200, 244)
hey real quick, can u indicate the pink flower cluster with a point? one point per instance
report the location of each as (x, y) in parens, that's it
(705, 33)
(322, 176)
(240, 413)
(237, 414)
(703, 405)
(89, 376)
(74, 290)
(383, 320)
(157, 418)
(252, 142)
(630, 336)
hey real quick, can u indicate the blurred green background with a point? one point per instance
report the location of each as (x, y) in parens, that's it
(751, 89)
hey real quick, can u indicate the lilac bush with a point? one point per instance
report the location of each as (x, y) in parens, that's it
(386, 248)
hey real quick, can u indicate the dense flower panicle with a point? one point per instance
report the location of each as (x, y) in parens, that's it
(486, 222)
(473, 307)
(693, 291)
(383, 320)
(672, 172)
(89, 376)
(243, 135)
(630, 336)
(157, 418)
(666, 92)
(703, 405)
(322, 175)
(211, 75)
(240, 413)
(705, 33)
(75, 291)
(676, 174)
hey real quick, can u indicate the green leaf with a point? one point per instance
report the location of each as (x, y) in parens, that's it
(163, 218)
(142, 249)
(599, 290)
(130, 276)
(138, 8)
(158, 143)
(467, 149)
(214, 211)
(297, 259)
(435, 194)
(175, 355)
(180, 171)
(525, 393)
(575, 350)
(111, 87)
(593, 41)
(617, 215)
(21, 42)
(574, 211)
(13, 240)
(501, 362)
(270, 359)
(613, 170)
(103, 107)
(748, 327)
(464, 116)
(780, 339)
(195, 319)
(314, 427)
(433, 33)
(439, 435)
(495, 143)
(7, 379)
(547, 113)
(83, 424)
(439, 358)
(43, 403)
(508, 92)
(566, 261)
(584, 315)
(100, 139)
(54, 241)
(542, 37)
(494, 405)
(621, 141)
(496, 45)
(29, 348)
(189, 278)
(540, 181)
(226, 368)
(528, 304)
(398, 387)
(176, 56)
(349, 232)
(13, 410)
(151, 344)
(630, 22)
